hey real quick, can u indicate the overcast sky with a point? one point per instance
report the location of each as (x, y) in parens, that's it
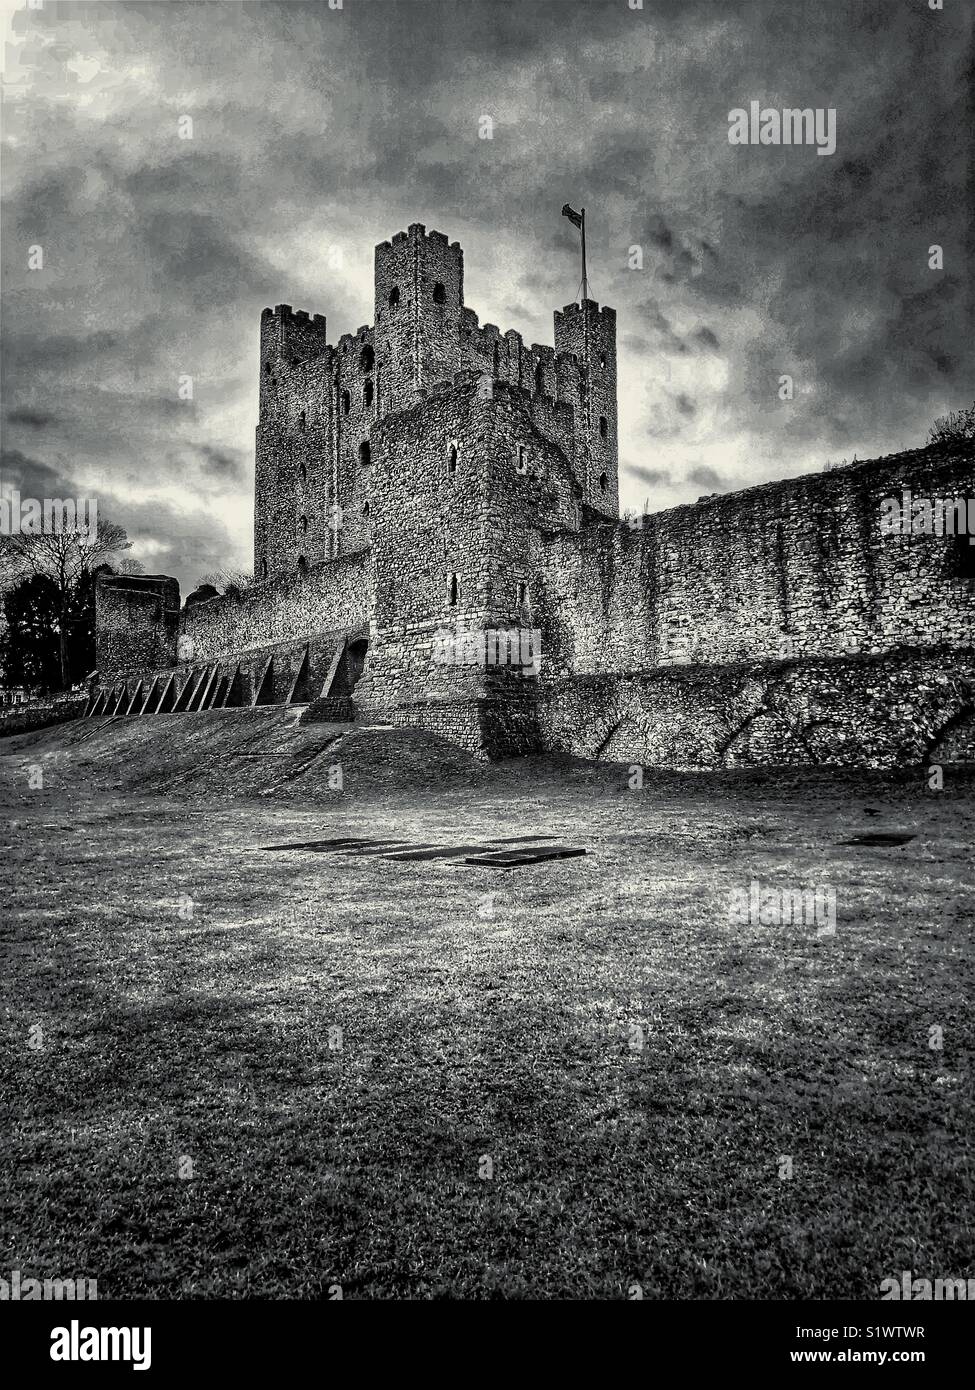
(318, 132)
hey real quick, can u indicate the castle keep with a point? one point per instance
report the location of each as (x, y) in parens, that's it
(437, 542)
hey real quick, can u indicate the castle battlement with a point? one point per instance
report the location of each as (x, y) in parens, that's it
(432, 474)
(319, 404)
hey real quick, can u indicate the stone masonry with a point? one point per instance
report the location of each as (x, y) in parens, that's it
(437, 542)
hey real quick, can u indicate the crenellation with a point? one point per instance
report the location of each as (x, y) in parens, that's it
(430, 475)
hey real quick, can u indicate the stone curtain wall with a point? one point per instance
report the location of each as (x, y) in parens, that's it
(39, 714)
(332, 597)
(794, 567)
(893, 710)
(136, 621)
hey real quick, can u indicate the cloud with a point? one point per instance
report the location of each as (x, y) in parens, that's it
(320, 132)
(33, 419)
(702, 476)
(655, 477)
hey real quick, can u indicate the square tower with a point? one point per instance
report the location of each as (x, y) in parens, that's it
(419, 298)
(590, 333)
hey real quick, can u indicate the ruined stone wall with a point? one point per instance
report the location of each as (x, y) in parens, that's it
(136, 622)
(890, 710)
(793, 567)
(331, 597)
(41, 713)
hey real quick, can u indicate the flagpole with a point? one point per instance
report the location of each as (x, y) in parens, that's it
(585, 282)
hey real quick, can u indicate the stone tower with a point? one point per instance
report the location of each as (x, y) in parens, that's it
(419, 298)
(590, 333)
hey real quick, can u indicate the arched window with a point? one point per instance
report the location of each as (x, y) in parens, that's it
(263, 569)
(365, 454)
(303, 469)
(366, 358)
(603, 427)
(453, 590)
(439, 294)
(302, 422)
(346, 402)
(367, 392)
(522, 459)
(304, 525)
(603, 482)
(365, 508)
(394, 297)
(602, 360)
(522, 594)
(267, 368)
(452, 459)
(302, 565)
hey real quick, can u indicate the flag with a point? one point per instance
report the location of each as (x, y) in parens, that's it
(574, 217)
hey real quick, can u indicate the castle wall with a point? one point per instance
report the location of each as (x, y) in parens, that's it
(457, 551)
(293, 453)
(136, 621)
(356, 391)
(332, 597)
(589, 334)
(795, 567)
(896, 709)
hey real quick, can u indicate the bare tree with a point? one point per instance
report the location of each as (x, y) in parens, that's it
(235, 583)
(957, 424)
(63, 556)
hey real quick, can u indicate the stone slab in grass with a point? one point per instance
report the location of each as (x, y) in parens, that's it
(879, 837)
(325, 846)
(515, 839)
(516, 859)
(414, 856)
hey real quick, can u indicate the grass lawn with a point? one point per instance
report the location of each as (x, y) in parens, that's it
(243, 1074)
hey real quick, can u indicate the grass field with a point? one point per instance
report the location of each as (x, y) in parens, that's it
(557, 1081)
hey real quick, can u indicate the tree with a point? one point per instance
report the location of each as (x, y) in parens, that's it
(69, 560)
(29, 649)
(957, 424)
(234, 583)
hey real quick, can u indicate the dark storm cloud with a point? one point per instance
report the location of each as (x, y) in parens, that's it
(317, 133)
(223, 463)
(31, 477)
(706, 338)
(707, 477)
(34, 419)
(656, 477)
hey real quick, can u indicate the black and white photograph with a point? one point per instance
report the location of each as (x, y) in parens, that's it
(487, 673)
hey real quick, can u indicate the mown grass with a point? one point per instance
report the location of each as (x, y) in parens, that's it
(505, 1030)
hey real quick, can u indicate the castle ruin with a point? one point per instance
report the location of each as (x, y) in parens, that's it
(437, 543)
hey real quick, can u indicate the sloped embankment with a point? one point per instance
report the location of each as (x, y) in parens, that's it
(261, 752)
